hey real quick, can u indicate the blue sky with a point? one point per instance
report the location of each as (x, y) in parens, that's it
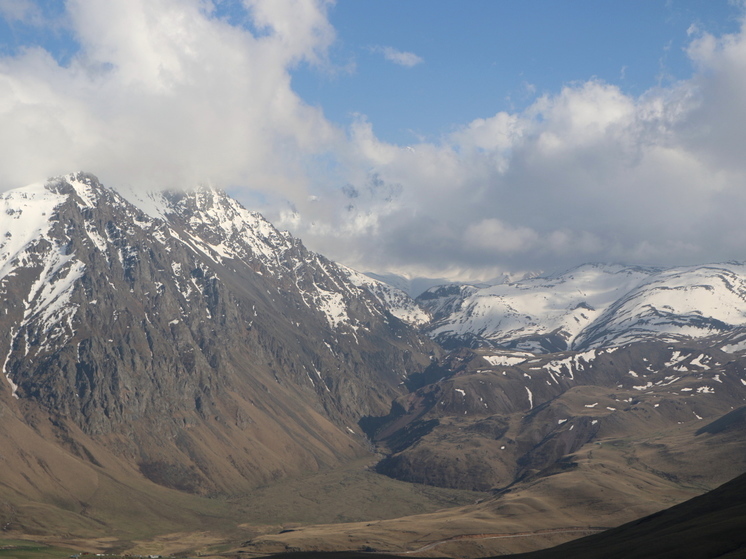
(484, 56)
(463, 140)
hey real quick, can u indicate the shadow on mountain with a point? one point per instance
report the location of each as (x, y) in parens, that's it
(708, 526)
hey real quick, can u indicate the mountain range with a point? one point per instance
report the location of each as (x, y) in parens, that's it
(589, 307)
(174, 347)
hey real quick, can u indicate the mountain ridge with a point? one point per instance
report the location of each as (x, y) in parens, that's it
(590, 306)
(149, 335)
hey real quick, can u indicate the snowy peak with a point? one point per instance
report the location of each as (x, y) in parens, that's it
(536, 314)
(231, 230)
(90, 283)
(445, 300)
(674, 304)
(26, 214)
(227, 230)
(395, 300)
(591, 306)
(52, 232)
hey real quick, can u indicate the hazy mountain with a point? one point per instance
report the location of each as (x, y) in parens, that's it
(417, 285)
(410, 286)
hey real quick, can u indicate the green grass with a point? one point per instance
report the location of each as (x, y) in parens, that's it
(348, 494)
(24, 549)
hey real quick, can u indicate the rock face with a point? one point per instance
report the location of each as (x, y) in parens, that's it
(195, 341)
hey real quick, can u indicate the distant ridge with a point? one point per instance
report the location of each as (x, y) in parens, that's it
(589, 307)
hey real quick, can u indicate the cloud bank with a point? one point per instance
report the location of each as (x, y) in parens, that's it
(166, 93)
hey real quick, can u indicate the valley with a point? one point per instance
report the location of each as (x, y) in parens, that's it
(181, 378)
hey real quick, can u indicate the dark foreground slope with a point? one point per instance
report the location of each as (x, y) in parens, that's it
(711, 525)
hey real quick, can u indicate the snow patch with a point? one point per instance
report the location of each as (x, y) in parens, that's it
(504, 360)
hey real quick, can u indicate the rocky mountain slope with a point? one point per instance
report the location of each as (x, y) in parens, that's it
(488, 426)
(567, 444)
(198, 343)
(612, 393)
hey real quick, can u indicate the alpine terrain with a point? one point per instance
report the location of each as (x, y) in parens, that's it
(197, 347)
(579, 401)
(173, 364)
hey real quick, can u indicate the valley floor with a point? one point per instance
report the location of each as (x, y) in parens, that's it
(351, 493)
(614, 481)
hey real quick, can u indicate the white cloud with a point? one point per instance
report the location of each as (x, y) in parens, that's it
(494, 235)
(165, 93)
(588, 173)
(162, 92)
(23, 11)
(402, 58)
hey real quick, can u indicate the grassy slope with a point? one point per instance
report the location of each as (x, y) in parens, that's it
(609, 482)
(711, 525)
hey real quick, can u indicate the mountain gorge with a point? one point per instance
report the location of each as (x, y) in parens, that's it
(175, 346)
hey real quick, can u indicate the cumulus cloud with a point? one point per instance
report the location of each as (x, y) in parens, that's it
(402, 58)
(586, 173)
(170, 93)
(164, 92)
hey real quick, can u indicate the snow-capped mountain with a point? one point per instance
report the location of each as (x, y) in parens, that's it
(536, 314)
(176, 339)
(152, 332)
(228, 231)
(591, 306)
(674, 304)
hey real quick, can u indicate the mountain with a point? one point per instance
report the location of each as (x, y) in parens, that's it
(673, 305)
(592, 306)
(488, 423)
(707, 526)
(564, 445)
(195, 343)
(410, 286)
(166, 353)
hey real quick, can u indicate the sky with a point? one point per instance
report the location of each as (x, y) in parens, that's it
(432, 138)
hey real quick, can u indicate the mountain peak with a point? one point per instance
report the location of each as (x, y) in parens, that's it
(204, 315)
